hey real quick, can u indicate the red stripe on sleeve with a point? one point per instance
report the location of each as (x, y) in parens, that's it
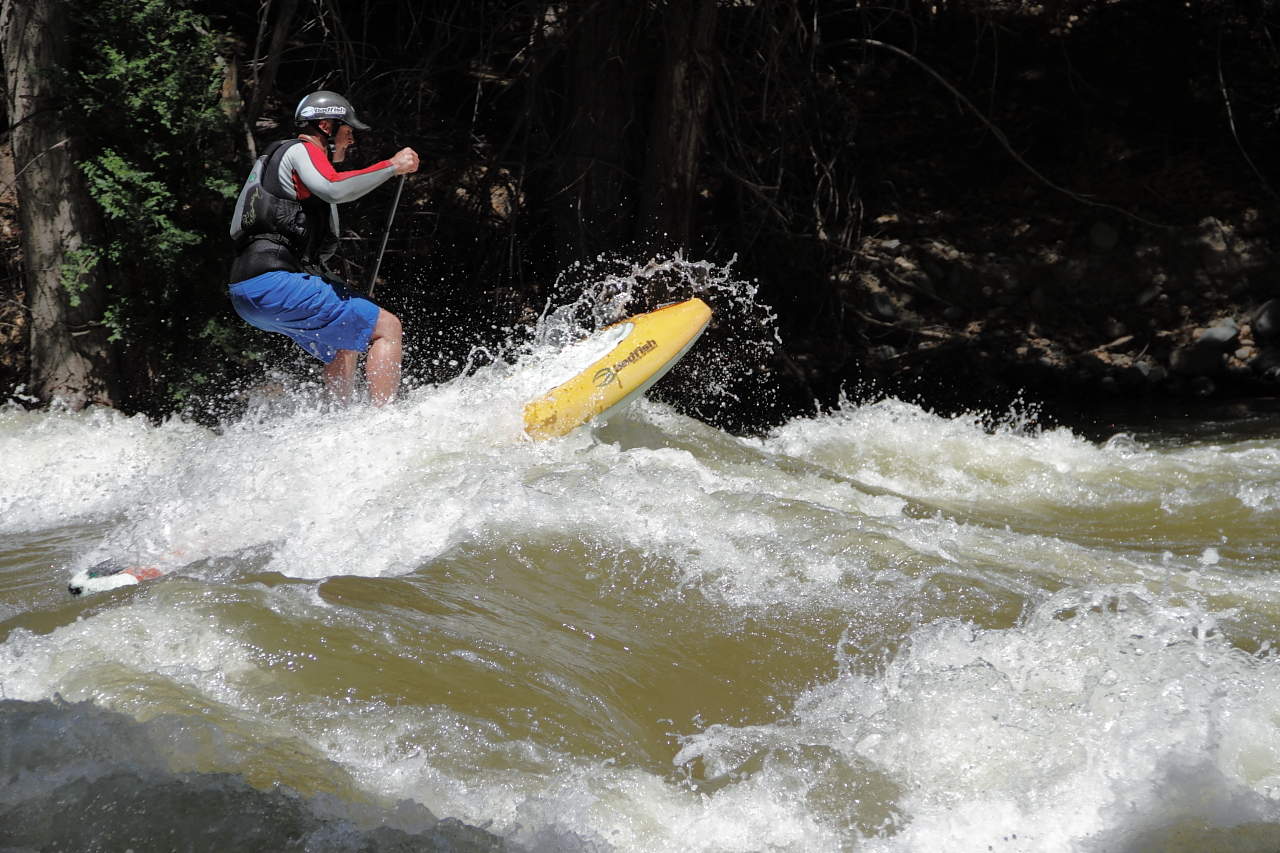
(326, 170)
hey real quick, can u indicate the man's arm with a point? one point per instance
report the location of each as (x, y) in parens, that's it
(311, 174)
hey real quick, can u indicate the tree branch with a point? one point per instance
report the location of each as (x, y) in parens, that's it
(1231, 121)
(998, 133)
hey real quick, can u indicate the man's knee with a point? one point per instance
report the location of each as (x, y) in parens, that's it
(388, 326)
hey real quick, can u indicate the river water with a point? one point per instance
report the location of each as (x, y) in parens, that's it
(873, 628)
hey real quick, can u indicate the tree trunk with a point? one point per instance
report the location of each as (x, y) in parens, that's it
(71, 358)
(597, 179)
(682, 96)
(265, 80)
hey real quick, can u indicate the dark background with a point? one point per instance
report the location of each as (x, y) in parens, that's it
(960, 203)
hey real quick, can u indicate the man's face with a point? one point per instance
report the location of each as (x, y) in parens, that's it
(343, 139)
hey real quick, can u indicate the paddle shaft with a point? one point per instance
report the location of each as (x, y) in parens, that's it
(386, 232)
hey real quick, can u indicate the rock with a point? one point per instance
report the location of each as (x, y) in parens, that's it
(1267, 364)
(1195, 360)
(1131, 376)
(953, 314)
(1114, 328)
(884, 353)
(1091, 364)
(1220, 337)
(1215, 243)
(882, 305)
(1143, 373)
(1266, 322)
(1204, 355)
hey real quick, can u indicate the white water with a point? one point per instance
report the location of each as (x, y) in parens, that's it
(873, 629)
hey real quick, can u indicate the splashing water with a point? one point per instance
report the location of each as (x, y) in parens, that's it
(728, 368)
(869, 629)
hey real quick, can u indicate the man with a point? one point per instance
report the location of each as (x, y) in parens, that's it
(286, 228)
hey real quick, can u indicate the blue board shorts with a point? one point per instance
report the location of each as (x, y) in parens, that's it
(321, 316)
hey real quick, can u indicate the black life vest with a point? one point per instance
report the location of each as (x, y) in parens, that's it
(264, 212)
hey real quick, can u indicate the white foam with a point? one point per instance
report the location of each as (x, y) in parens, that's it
(110, 656)
(1105, 715)
(61, 467)
(965, 461)
(534, 796)
(1113, 708)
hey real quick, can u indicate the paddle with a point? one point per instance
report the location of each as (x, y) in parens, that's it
(386, 232)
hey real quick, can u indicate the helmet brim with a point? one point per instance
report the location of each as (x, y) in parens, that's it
(354, 122)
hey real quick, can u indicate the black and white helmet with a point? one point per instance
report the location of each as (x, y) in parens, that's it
(322, 105)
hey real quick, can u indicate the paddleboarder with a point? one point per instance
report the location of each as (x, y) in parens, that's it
(286, 230)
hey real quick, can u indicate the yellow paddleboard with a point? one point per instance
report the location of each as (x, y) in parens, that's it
(641, 351)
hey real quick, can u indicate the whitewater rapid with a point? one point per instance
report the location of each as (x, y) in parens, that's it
(871, 628)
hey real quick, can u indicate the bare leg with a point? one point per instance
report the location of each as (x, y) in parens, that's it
(339, 376)
(382, 366)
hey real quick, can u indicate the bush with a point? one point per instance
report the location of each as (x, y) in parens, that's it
(145, 93)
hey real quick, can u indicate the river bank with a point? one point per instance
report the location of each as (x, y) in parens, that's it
(1095, 315)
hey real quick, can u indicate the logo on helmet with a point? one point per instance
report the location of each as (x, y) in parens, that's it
(313, 112)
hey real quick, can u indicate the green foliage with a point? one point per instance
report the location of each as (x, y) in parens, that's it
(155, 65)
(78, 264)
(142, 204)
(145, 89)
